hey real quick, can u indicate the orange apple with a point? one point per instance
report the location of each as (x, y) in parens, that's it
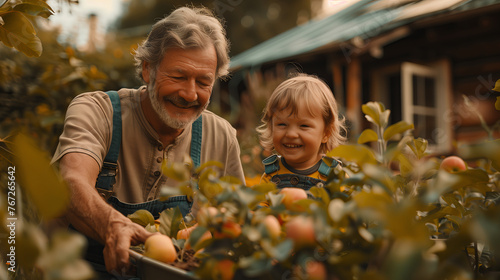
(291, 195)
(160, 248)
(186, 233)
(272, 226)
(230, 229)
(315, 270)
(224, 270)
(301, 230)
(453, 164)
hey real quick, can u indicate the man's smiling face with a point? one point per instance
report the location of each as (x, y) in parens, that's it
(182, 86)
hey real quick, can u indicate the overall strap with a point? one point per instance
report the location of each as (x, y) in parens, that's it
(106, 178)
(327, 164)
(271, 164)
(196, 134)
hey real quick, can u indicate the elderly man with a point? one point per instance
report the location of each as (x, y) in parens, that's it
(114, 143)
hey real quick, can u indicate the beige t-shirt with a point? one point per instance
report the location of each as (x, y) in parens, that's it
(88, 129)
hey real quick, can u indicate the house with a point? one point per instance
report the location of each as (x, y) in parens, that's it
(418, 57)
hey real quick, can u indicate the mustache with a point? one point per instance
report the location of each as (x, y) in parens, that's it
(179, 101)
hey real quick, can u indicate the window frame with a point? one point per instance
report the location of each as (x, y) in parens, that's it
(440, 71)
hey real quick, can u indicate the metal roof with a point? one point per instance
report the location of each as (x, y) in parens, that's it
(364, 19)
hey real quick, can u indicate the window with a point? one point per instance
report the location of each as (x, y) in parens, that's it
(418, 94)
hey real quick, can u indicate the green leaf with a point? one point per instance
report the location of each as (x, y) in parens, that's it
(378, 201)
(63, 259)
(170, 221)
(320, 193)
(31, 243)
(368, 135)
(142, 217)
(336, 209)
(397, 128)
(487, 149)
(209, 163)
(382, 176)
(455, 220)
(497, 103)
(439, 213)
(376, 113)
(497, 86)
(5, 153)
(35, 8)
(18, 32)
(264, 187)
(208, 187)
(355, 153)
(195, 236)
(418, 146)
(176, 170)
(451, 200)
(38, 178)
(283, 250)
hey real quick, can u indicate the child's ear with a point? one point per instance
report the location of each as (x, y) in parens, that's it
(326, 136)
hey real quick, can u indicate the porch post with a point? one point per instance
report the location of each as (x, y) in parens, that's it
(354, 98)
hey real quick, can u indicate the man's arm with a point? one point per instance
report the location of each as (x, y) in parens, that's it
(91, 215)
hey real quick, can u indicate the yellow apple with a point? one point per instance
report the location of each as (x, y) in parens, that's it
(160, 247)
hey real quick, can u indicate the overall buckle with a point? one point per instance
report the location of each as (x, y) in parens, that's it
(105, 194)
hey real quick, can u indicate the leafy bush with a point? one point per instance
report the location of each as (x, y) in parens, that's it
(390, 213)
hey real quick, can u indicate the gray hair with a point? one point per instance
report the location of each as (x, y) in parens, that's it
(184, 28)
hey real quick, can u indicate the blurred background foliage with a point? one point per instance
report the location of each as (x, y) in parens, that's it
(40, 74)
(35, 91)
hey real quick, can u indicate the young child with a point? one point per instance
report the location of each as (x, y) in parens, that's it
(301, 123)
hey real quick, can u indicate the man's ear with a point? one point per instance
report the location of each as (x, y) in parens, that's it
(145, 72)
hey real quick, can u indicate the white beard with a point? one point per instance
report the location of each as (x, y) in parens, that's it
(163, 114)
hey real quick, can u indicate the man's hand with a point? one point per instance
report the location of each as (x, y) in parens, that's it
(94, 217)
(120, 234)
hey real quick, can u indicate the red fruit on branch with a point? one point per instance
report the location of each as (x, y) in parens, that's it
(453, 164)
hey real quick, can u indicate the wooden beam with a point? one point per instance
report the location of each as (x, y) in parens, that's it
(354, 96)
(338, 87)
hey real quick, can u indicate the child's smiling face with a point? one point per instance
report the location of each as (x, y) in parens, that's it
(298, 137)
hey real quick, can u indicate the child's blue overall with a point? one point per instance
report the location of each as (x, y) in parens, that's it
(106, 179)
(292, 180)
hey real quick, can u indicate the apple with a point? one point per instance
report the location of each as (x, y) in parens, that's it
(230, 229)
(312, 270)
(315, 270)
(224, 270)
(291, 195)
(301, 230)
(272, 226)
(453, 164)
(186, 233)
(160, 247)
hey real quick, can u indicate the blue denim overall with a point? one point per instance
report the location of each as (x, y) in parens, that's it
(106, 180)
(293, 180)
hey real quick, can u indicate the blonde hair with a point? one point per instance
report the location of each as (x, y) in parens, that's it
(306, 90)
